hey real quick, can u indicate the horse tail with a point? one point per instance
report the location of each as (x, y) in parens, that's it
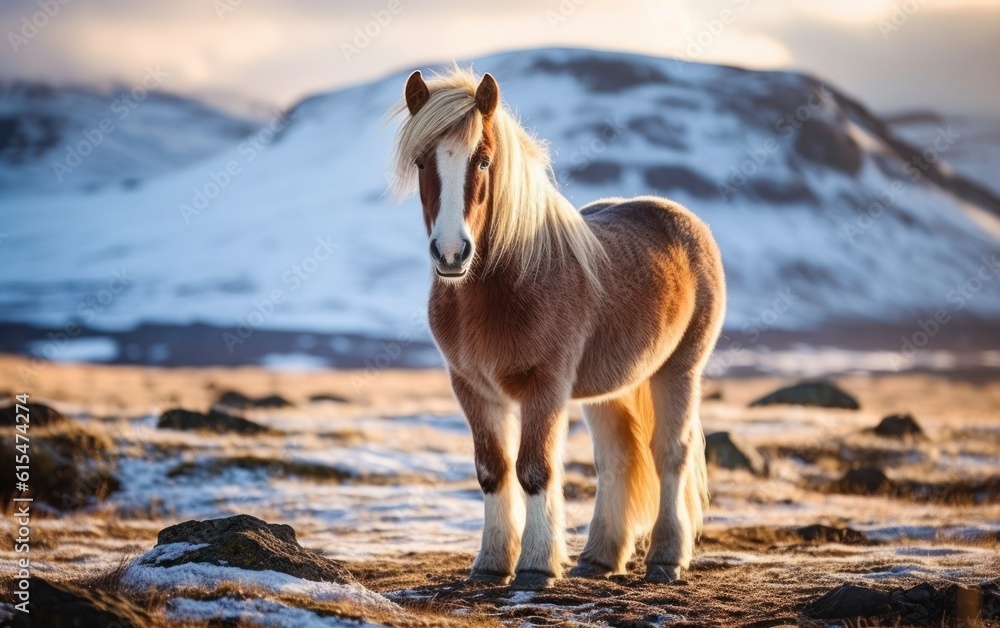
(696, 479)
(644, 483)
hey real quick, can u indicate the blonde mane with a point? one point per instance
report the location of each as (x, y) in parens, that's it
(532, 222)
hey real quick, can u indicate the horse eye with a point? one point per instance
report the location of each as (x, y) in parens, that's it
(485, 163)
(419, 164)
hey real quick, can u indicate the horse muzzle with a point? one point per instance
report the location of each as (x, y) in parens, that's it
(452, 262)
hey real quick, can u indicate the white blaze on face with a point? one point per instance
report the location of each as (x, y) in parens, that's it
(450, 229)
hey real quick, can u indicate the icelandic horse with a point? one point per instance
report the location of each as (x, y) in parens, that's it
(533, 303)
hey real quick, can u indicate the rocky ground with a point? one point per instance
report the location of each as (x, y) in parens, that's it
(339, 498)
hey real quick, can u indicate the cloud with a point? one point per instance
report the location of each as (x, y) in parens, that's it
(277, 52)
(941, 59)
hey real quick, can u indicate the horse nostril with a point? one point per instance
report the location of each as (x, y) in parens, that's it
(435, 252)
(466, 250)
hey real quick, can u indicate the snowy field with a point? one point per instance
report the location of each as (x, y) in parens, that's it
(379, 476)
(275, 253)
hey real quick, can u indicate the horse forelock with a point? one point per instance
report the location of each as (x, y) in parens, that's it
(531, 224)
(450, 112)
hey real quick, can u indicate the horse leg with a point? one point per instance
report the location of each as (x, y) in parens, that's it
(627, 484)
(679, 452)
(540, 473)
(492, 426)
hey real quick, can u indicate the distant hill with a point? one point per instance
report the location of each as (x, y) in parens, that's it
(976, 155)
(809, 194)
(55, 139)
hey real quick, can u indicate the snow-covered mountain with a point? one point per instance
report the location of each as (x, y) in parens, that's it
(72, 138)
(823, 216)
(976, 154)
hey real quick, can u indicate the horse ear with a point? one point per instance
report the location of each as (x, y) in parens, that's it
(416, 93)
(488, 95)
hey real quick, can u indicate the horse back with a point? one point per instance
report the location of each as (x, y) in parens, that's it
(664, 277)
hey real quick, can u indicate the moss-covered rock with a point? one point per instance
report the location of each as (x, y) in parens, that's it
(247, 542)
(730, 452)
(822, 394)
(214, 421)
(66, 606)
(900, 426)
(865, 481)
(39, 415)
(72, 466)
(920, 605)
(239, 401)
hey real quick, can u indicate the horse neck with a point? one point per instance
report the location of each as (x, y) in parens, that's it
(485, 272)
(507, 280)
(501, 277)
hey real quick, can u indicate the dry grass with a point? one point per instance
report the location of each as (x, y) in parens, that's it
(755, 566)
(71, 466)
(146, 607)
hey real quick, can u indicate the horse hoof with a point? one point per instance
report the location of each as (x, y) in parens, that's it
(533, 580)
(662, 574)
(590, 570)
(489, 577)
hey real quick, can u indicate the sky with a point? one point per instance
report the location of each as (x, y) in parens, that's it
(894, 55)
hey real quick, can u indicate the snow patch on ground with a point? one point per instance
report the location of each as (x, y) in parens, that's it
(258, 612)
(207, 576)
(172, 551)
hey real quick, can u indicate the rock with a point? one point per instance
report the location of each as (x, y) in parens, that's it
(272, 401)
(214, 421)
(848, 601)
(921, 593)
(239, 401)
(39, 415)
(899, 426)
(233, 399)
(56, 607)
(730, 452)
(247, 543)
(715, 395)
(328, 397)
(920, 605)
(924, 604)
(829, 534)
(822, 394)
(865, 481)
(986, 604)
(72, 466)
